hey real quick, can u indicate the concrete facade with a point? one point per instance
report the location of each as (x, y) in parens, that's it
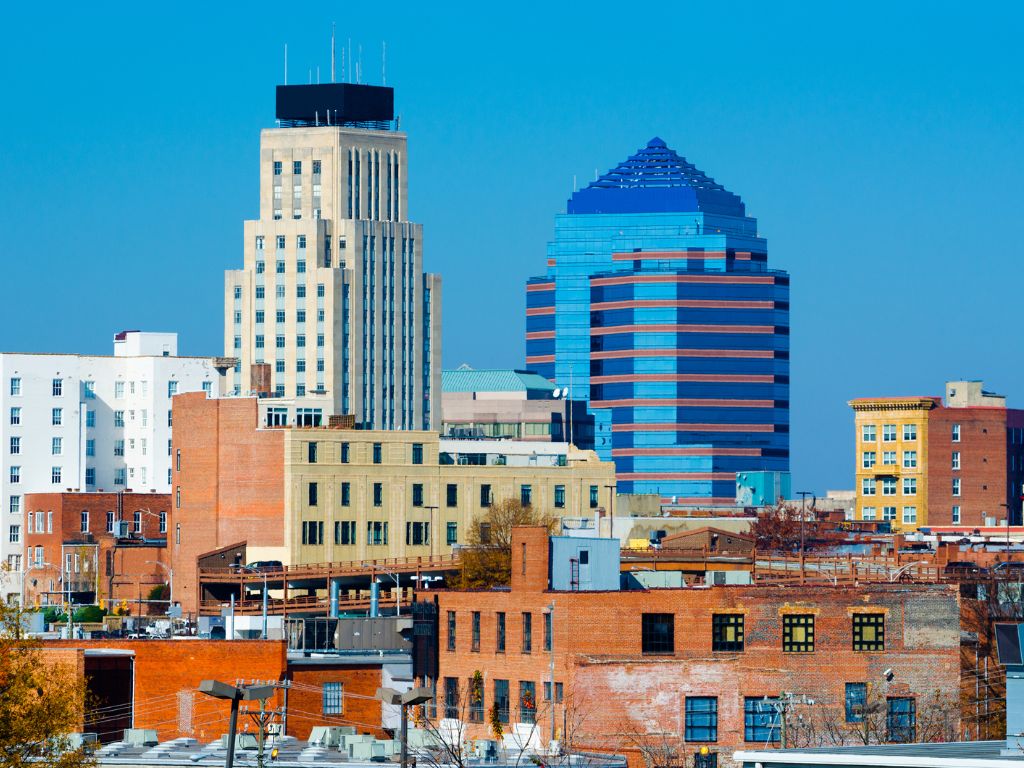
(332, 293)
(89, 423)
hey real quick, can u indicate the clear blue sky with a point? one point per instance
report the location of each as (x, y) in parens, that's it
(879, 145)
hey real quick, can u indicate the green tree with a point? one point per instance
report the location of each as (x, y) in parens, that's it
(41, 702)
(487, 558)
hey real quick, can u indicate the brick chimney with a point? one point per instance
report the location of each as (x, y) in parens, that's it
(530, 559)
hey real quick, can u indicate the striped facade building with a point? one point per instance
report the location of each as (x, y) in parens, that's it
(659, 309)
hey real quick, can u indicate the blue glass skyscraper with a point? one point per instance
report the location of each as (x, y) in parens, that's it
(659, 309)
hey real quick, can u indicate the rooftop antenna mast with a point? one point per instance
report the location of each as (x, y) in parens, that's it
(332, 51)
(286, 63)
(384, 63)
(359, 65)
(349, 49)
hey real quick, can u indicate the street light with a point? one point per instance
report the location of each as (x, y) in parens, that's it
(550, 611)
(398, 591)
(410, 698)
(219, 690)
(253, 569)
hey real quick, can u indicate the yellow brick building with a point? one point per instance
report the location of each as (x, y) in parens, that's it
(891, 436)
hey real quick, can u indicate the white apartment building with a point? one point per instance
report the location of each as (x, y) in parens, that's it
(332, 295)
(90, 423)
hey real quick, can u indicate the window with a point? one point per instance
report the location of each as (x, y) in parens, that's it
(344, 453)
(378, 453)
(300, 314)
(56, 446)
(15, 474)
(798, 633)
(869, 631)
(417, 453)
(137, 521)
(15, 446)
(163, 522)
(90, 389)
(16, 385)
(868, 459)
(15, 534)
(955, 433)
(15, 506)
(475, 637)
(297, 167)
(57, 387)
(761, 720)
(316, 167)
(525, 495)
(910, 431)
(560, 497)
(547, 631)
(889, 433)
(501, 699)
(527, 701)
(868, 434)
(909, 486)
(119, 385)
(702, 718)
(901, 719)
(485, 495)
(889, 457)
(499, 643)
(261, 292)
(867, 486)
(377, 533)
(345, 532)
(856, 702)
(312, 494)
(55, 475)
(451, 698)
(334, 699)
(119, 476)
(452, 533)
(956, 515)
(90, 475)
(909, 515)
(451, 630)
(346, 494)
(657, 633)
(889, 486)
(84, 521)
(311, 453)
(417, 494)
(888, 513)
(277, 167)
(956, 486)
(57, 417)
(909, 459)
(417, 534)
(452, 495)
(527, 633)
(119, 447)
(727, 632)
(378, 494)
(300, 291)
(593, 496)
(15, 416)
(313, 532)
(956, 460)
(118, 418)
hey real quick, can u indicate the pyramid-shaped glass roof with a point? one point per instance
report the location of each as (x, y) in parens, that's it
(655, 180)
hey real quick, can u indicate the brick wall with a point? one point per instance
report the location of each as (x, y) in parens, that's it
(359, 708)
(231, 484)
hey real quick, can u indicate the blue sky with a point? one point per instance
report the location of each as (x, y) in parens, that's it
(878, 144)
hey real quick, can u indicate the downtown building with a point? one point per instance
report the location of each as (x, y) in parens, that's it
(88, 423)
(658, 308)
(332, 300)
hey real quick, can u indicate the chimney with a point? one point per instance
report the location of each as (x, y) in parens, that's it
(530, 558)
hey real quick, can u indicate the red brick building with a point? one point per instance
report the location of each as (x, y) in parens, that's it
(685, 667)
(95, 546)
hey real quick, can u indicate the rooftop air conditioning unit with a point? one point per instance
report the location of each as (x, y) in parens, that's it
(121, 529)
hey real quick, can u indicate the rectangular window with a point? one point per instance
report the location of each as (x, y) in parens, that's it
(334, 700)
(593, 496)
(559, 497)
(869, 632)
(909, 459)
(901, 720)
(378, 453)
(15, 506)
(451, 630)
(889, 458)
(475, 638)
(15, 446)
(956, 486)
(888, 513)
(311, 453)
(15, 474)
(417, 494)
(417, 453)
(451, 698)
(57, 387)
(312, 494)
(889, 433)
(910, 431)
(501, 700)
(57, 417)
(500, 634)
(55, 475)
(277, 167)
(525, 495)
(84, 521)
(344, 453)
(452, 495)
(313, 532)
(16, 385)
(727, 632)
(702, 718)
(909, 486)
(119, 447)
(955, 433)
(956, 460)
(346, 494)
(90, 475)
(90, 389)
(452, 533)
(909, 515)
(956, 515)
(118, 418)
(547, 631)
(888, 486)
(868, 434)
(798, 633)
(15, 534)
(56, 446)
(110, 522)
(867, 486)
(163, 522)
(856, 702)
(868, 459)
(417, 534)
(761, 721)
(378, 494)
(485, 495)
(15, 416)
(297, 167)
(527, 701)
(657, 633)
(527, 633)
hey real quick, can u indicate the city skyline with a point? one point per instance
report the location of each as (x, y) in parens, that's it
(831, 137)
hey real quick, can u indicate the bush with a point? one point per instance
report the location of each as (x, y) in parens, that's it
(89, 614)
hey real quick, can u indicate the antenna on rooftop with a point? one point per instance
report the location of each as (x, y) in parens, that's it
(359, 65)
(384, 63)
(310, 75)
(349, 49)
(286, 63)
(332, 51)
(318, 74)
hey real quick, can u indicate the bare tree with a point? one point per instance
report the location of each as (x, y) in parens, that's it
(487, 558)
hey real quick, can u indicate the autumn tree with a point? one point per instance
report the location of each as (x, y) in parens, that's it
(41, 702)
(777, 528)
(487, 557)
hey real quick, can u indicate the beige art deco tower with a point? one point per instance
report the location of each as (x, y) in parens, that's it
(332, 295)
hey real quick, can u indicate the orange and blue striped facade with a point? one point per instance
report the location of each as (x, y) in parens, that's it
(670, 325)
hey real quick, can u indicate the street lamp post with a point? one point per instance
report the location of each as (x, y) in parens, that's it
(550, 611)
(410, 698)
(219, 690)
(398, 592)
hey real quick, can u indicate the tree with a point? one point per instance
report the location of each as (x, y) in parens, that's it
(40, 702)
(487, 558)
(778, 527)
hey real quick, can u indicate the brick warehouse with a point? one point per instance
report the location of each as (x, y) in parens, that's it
(688, 667)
